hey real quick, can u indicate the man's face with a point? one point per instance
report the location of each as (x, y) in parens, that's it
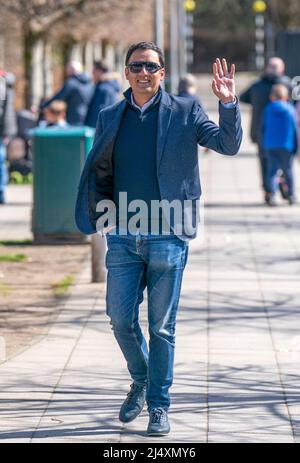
(53, 117)
(144, 83)
(275, 67)
(97, 75)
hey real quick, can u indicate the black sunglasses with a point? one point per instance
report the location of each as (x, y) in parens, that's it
(137, 66)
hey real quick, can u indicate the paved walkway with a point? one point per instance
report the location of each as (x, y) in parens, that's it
(15, 216)
(238, 337)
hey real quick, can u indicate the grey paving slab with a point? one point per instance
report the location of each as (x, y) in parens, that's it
(249, 438)
(15, 217)
(94, 408)
(28, 380)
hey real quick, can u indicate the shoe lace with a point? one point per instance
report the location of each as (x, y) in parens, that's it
(131, 396)
(157, 415)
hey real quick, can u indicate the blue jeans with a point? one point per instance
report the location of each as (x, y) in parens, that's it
(263, 161)
(134, 263)
(280, 159)
(3, 171)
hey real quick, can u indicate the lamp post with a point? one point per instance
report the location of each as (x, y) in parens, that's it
(182, 49)
(159, 26)
(189, 7)
(259, 7)
(159, 23)
(181, 38)
(174, 45)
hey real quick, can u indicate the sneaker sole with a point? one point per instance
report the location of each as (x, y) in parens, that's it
(131, 419)
(157, 434)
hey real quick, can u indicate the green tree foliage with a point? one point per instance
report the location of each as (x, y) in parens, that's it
(37, 18)
(224, 27)
(284, 14)
(227, 28)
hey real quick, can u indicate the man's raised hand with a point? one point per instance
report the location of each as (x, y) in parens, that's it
(223, 82)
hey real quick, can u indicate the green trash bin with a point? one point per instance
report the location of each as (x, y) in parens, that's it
(58, 159)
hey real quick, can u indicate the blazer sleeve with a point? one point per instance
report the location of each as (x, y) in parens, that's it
(99, 128)
(88, 161)
(225, 138)
(84, 214)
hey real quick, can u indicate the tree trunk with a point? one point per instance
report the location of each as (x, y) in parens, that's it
(30, 39)
(47, 70)
(66, 46)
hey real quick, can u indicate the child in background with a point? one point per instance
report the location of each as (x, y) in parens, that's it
(55, 114)
(298, 124)
(280, 142)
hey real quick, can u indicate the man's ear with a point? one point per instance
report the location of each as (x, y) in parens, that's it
(126, 73)
(162, 74)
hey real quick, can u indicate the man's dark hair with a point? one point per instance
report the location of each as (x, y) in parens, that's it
(100, 66)
(145, 46)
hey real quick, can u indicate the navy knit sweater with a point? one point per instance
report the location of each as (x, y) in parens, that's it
(134, 160)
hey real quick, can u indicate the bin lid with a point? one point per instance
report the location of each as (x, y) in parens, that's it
(62, 132)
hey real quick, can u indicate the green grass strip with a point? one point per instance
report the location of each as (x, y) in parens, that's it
(60, 288)
(13, 258)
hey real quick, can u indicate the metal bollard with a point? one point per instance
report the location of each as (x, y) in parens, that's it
(98, 258)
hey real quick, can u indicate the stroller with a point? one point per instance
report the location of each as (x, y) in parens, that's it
(19, 153)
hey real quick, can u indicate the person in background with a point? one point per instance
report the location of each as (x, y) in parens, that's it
(298, 125)
(76, 92)
(55, 115)
(257, 95)
(280, 141)
(8, 125)
(187, 87)
(105, 93)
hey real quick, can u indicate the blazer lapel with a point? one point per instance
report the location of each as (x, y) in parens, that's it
(163, 123)
(109, 132)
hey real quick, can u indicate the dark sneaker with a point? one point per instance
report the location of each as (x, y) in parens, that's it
(268, 196)
(291, 200)
(283, 188)
(134, 403)
(271, 201)
(158, 423)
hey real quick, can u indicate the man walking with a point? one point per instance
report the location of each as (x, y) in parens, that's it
(8, 125)
(280, 141)
(105, 93)
(146, 148)
(258, 96)
(76, 93)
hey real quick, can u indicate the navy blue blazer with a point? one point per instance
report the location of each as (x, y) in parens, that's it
(182, 125)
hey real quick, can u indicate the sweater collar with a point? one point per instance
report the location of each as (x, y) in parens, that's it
(153, 101)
